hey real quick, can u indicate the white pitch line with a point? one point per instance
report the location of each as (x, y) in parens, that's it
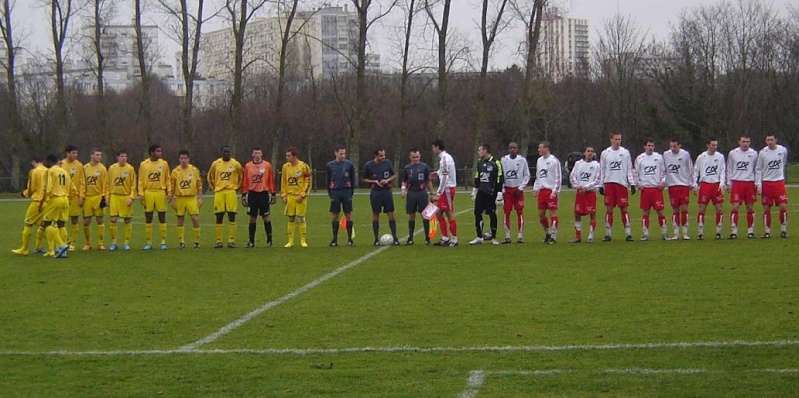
(422, 350)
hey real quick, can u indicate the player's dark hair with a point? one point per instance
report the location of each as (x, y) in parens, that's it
(153, 147)
(771, 135)
(340, 147)
(612, 133)
(95, 150)
(439, 144)
(744, 135)
(224, 146)
(70, 148)
(52, 159)
(378, 151)
(183, 152)
(711, 139)
(487, 147)
(675, 139)
(36, 159)
(293, 151)
(588, 146)
(121, 151)
(413, 150)
(256, 148)
(648, 140)
(545, 144)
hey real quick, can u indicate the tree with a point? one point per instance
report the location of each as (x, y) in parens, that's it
(61, 13)
(441, 28)
(9, 65)
(531, 14)
(490, 26)
(102, 13)
(145, 107)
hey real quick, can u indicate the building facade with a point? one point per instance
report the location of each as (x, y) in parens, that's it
(564, 45)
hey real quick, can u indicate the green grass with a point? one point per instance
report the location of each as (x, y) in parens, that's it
(604, 319)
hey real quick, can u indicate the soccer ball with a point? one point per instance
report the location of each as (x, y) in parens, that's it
(386, 240)
(487, 236)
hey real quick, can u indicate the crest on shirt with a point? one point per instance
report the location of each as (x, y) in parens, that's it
(191, 175)
(230, 168)
(124, 174)
(160, 168)
(261, 170)
(97, 172)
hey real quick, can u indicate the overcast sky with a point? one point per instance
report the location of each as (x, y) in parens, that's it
(653, 16)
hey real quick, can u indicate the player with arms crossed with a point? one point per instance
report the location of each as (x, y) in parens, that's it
(37, 178)
(55, 207)
(770, 182)
(295, 184)
(650, 172)
(680, 180)
(187, 188)
(74, 167)
(547, 188)
(416, 187)
(155, 188)
(340, 188)
(258, 193)
(586, 180)
(445, 195)
(122, 192)
(224, 177)
(517, 176)
(741, 175)
(96, 186)
(616, 169)
(488, 177)
(379, 174)
(710, 172)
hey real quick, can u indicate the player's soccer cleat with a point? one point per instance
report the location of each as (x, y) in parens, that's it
(303, 243)
(494, 241)
(476, 241)
(675, 237)
(506, 241)
(72, 247)
(48, 254)
(645, 238)
(783, 234)
(751, 235)
(196, 245)
(520, 240)
(181, 245)
(547, 237)
(20, 251)
(162, 246)
(61, 251)
(231, 245)
(250, 245)
(396, 242)
(700, 237)
(590, 239)
(733, 236)
(40, 251)
(289, 245)
(269, 243)
(409, 242)
(427, 242)
(606, 238)
(452, 244)
(767, 235)
(686, 237)
(443, 243)
(100, 247)
(125, 246)
(147, 247)
(718, 236)
(113, 247)
(552, 241)
(332, 243)
(350, 243)
(628, 238)
(218, 245)
(664, 237)
(86, 247)
(575, 240)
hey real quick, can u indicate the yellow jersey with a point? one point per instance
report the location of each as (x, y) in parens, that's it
(96, 177)
(154, 175)
(37, 179)
(75, 170)
(186, 182)
(122, 180)
(59, 183)
(295, 179)
(225, 175)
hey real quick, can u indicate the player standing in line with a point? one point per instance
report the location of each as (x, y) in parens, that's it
(74, 167)
(295, 185)
(586, 180)
(257, 193)
(155, 187)
(770, 182)
(741, 176)
(122, 192)
(340, 188)
(517, 176)
(187, 188)
(445, 195)
(680, 180)
(96, 186)
(650, 172)
(224, 177)
(379, 174)
(416, 187)
(488, 177)
(547, 189)
(616, 169)
(710, 173)
(33, 217)
(56, 207)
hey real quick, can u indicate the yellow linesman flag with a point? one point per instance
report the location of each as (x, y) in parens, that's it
(343, 225)
(433, 228)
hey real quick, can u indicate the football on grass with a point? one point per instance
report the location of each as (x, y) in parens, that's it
(386, 240)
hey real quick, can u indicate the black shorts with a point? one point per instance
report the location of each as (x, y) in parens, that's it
(415, 202)
(341, 199)
(485, 202)
(382, 200)
(259, 203)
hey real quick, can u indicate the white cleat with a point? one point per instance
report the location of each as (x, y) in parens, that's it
(476, 241)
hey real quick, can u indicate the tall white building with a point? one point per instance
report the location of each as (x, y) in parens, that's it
(118, 46)
(324, 45)
(564, 45)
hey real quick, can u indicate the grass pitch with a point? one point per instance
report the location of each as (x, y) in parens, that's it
(657, 318)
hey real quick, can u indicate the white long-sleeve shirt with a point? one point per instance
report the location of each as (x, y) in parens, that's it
(446, 172)
(710, 168)
(548, 173)
(741, 165)
(517, 171)
(650, 170)
(771, 165)
(679, 169)
(616, 166)
(586, 175)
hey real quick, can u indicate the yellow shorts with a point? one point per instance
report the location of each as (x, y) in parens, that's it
(154, 200)
(33, 216)
(295, 209)
(119, 206)
(75, 210)
(56, 209)
(226, 201)
(91, 206)
(186, 205)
